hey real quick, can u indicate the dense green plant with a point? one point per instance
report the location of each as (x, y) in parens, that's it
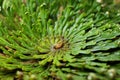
(59, 40)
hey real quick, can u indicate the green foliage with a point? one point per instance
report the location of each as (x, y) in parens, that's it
(59, 40)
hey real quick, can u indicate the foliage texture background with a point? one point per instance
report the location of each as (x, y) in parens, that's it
(59, 40)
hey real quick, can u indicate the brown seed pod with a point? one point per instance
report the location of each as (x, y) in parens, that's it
(59, 45)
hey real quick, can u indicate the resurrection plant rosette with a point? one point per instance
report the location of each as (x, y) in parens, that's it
(59, 40)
